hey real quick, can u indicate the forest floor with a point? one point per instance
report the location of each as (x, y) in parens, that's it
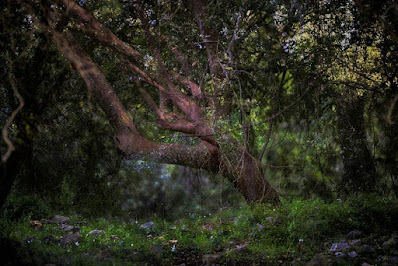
(359, 231)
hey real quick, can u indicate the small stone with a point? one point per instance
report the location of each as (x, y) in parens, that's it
(80, 223)
(60, 219)
(340, 254)
(318, 260)
(70, 238)
(114, 237)
(366, 249)
(260, 227)
(336, 247)
(366, 264)
(354, 234)
(239, 248)
(208, 227)
(353, 254)
(393, 241)
(356, 242)
(45, 221)
(210, 259)
(65, 227)
(37, 225)
(148, 225)
(96, 232)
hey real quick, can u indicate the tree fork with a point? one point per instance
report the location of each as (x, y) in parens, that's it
(245, 172)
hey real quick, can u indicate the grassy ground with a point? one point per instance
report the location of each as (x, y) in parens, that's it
(290, 234)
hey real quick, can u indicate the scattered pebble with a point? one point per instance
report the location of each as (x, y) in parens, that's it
(96, 232)
(353, 254)
(148, 225)
(354, 234)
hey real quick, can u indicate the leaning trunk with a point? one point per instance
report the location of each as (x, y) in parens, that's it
(236, 164)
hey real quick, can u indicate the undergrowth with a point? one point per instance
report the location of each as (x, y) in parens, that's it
(293, 231)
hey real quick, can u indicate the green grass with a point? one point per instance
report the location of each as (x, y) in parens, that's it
(296, 230)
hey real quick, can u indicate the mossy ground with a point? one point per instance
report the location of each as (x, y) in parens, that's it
(256, 235)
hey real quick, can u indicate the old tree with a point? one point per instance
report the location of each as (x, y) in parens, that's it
(188, 86)
(224, 86)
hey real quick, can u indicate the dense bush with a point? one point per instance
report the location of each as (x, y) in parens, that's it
(20, 206)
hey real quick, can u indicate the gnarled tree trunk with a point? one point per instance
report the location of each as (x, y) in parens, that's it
(236, 164)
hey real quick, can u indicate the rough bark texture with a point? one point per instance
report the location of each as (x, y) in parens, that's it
(247, 174)
(359, 168)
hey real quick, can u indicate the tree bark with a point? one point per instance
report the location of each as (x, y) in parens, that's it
(247, 174)
(359, 168)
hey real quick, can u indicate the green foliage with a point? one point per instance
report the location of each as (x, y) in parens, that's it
(314, 219)
(67, 196)
(19, 206)
(371, 212)
(296, 229)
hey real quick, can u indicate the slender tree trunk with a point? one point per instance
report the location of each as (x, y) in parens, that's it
(359, 168)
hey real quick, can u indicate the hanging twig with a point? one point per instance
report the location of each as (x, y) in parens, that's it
(11, 119)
